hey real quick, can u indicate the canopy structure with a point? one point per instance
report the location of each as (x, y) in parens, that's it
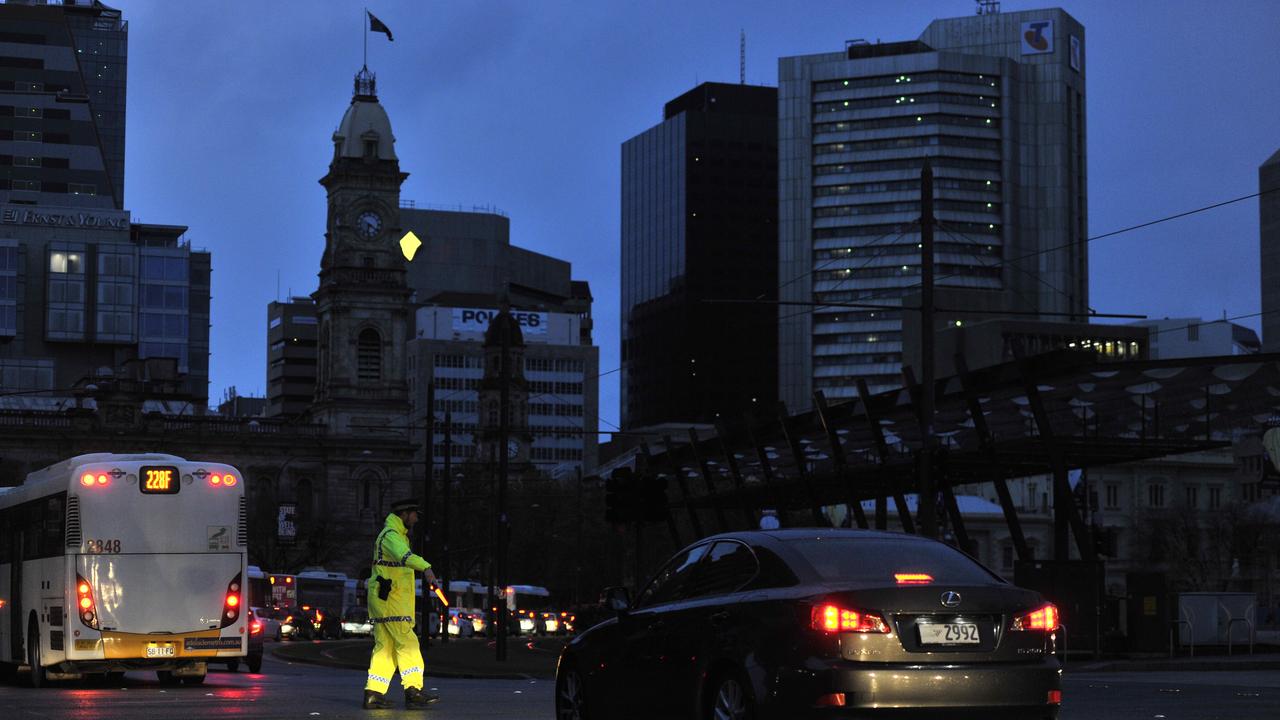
(1046, 414)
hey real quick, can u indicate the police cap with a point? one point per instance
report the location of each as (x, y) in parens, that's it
(405, 505)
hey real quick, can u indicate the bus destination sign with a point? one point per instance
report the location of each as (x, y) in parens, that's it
(158, 480)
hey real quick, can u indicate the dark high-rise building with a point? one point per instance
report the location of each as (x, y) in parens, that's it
(699, 223)
(291, 356)
(1269, 229)
(62, 104)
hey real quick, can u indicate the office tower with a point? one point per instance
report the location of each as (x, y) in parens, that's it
(62, 104)
(996, 104)
(1269, 240)
(699, 227)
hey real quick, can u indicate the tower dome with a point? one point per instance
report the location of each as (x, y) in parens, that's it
(504, 324)
(365, 130)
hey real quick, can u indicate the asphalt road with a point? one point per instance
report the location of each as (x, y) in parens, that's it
(286, 690)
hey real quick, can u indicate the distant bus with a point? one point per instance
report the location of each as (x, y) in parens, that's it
(530, 608)
(284, 591)
(319, 588)
(112, 562)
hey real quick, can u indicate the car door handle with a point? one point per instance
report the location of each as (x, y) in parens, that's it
(720, 618)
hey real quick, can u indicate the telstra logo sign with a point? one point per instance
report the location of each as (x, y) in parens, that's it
(1037, 37)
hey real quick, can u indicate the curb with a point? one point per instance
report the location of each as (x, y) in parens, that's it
(298, 654)
(1188, 665)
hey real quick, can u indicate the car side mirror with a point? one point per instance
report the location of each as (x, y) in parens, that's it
(617, 598)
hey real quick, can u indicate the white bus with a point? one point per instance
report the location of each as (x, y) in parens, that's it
(111, 563)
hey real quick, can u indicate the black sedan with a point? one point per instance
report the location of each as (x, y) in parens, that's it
(821, 622)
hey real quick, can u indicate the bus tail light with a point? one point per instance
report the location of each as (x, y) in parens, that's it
(231, 606)
(1043, 618)
(833, 618)
(85, 605)
(87, 479)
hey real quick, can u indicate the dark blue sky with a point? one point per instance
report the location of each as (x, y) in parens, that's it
(524, 106)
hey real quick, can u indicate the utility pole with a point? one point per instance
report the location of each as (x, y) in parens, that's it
(447, 475)
(927, 487)
(577, 568)
(424, 522)
(500, 532)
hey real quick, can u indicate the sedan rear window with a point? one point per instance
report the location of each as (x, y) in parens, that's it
(885, 562)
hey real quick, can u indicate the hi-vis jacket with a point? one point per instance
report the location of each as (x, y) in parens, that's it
(392, 559)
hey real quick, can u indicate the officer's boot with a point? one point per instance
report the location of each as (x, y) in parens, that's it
(374, 700)
(415, 698)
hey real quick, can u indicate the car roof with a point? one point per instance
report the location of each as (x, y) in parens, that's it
(815, 533)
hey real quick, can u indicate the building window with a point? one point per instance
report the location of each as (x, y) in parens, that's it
(1193, 332)
(369, 355)
(1215, 498)
(1155, 495)
(1113, 496)
(1193, 496)
(66, 262)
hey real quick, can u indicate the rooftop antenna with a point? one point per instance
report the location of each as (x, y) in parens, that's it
(988, 7)
(742, 57)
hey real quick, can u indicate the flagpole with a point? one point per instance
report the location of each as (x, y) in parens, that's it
(365, 33)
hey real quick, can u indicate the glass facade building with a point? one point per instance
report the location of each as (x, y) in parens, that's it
(699, 224)
(995, 104)
(62, 104)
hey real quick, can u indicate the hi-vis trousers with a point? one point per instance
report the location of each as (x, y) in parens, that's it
(394, 644)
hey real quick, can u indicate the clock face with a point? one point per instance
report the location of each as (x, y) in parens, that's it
(513, 448)
(369, 224)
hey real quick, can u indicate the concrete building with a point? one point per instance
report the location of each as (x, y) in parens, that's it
(291, 356)
(1194, 337)
(62, 104)
(1269, 236)
(559, 415)
(84, 292)
(996, 104)
(699, 223)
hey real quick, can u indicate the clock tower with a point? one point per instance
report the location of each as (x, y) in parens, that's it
(362, 304)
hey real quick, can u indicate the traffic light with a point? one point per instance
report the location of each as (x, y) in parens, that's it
(654, 499)
(621, 497)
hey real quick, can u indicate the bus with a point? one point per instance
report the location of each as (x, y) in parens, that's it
(317, 587)
(110, 563)
(467, 600)
(530, 609)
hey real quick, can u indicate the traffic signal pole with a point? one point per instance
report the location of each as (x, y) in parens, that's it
(927, 488)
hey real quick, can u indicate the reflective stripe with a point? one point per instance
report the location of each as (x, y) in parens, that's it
(395, 618)
(406, 557)
(380, 679)
(411, 671)
(389, 563)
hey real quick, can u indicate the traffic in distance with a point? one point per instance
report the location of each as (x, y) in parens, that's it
(793, 623)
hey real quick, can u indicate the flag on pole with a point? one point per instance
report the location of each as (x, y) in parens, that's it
(376, 25)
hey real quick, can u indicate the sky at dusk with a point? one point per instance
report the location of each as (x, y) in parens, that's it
(523, 106)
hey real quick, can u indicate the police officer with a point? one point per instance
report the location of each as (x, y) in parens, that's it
(391, 596)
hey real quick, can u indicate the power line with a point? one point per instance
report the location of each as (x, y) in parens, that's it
(888, 292)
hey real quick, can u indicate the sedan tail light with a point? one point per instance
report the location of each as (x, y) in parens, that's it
(831, 618)
(1043, 618)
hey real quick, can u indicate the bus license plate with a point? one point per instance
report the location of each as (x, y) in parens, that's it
(157, 651)
(949, 634)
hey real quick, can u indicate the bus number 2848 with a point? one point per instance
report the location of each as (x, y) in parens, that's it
(102, 547)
